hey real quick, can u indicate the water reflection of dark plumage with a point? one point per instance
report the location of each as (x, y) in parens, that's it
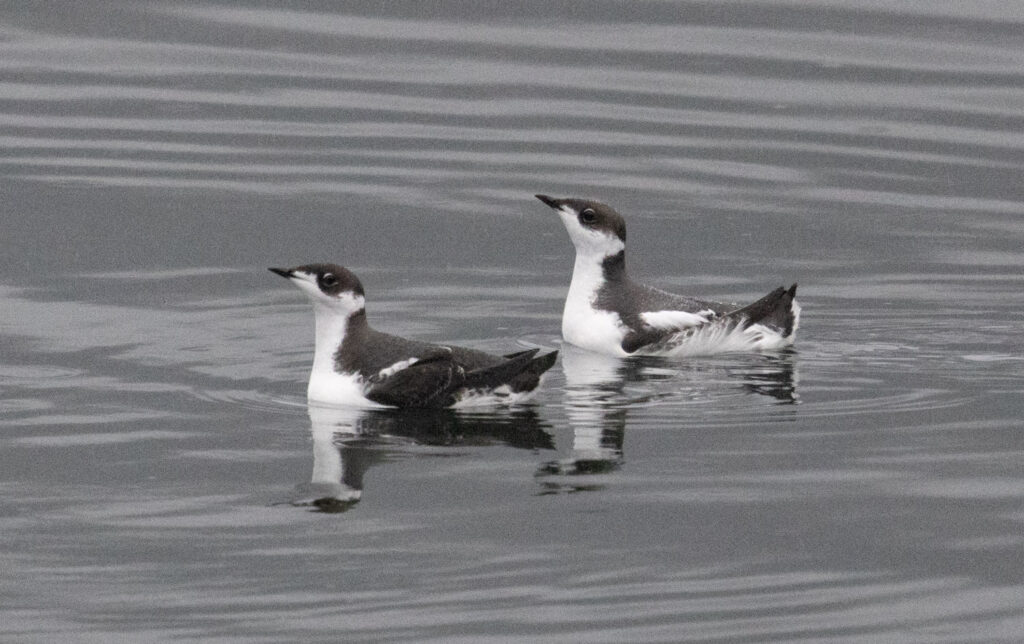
(601, 389)
(441, 427)
(772, 375)
(346, 442)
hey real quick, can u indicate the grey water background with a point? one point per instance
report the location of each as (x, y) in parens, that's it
(162, 479)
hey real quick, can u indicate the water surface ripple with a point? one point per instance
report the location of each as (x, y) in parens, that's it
(162, 478)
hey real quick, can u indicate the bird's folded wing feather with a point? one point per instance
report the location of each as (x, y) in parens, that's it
(501, 373)
(428, 382)
(527, 352)
(766, 306)
(425, 355)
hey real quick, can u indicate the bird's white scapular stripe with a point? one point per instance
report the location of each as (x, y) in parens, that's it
(672, 319)
(395, 368)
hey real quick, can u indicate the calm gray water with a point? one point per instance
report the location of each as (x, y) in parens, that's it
(162, 479)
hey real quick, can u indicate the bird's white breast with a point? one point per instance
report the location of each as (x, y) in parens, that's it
(333, 388)
(326, 385)
(582, 324)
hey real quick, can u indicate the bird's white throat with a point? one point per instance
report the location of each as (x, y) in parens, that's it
(326, 383)
(583, 324)
(330, 334)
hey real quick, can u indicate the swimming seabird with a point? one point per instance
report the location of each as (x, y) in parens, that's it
(354, 364)
(607, 312)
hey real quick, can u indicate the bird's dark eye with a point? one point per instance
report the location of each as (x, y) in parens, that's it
(329, 280)
(588, 216)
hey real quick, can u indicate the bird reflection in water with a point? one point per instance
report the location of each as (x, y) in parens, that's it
(596, 411)
(348, 441)
(599, 392)
(771, 374)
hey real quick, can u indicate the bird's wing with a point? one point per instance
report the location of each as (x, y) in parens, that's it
(774, 310)
(654, 300)
(434, 377)
(659, 326)
(428, 382)
(529, 352)
(412, 355)
(503, 372)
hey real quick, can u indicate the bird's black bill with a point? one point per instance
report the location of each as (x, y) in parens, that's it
(283, 272)
(550, 201)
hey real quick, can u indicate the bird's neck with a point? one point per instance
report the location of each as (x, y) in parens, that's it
(613, 267)
(333, 331)
(592, 271)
